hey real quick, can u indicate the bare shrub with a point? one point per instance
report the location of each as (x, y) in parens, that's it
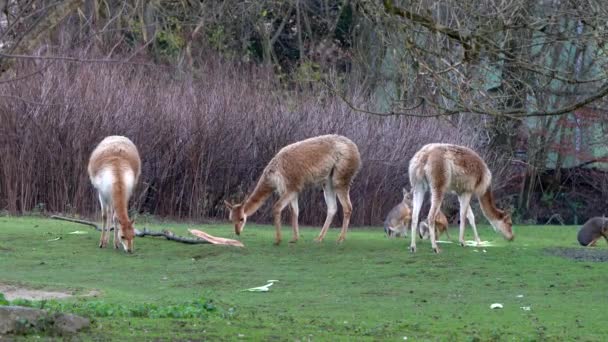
(201, 140)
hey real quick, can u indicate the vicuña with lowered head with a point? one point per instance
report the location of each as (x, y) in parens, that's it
(330, 160)
(398, 219)
(114, 168)
(444, 168)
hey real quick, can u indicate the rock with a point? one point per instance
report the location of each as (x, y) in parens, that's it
(14, 319)
(23, 320)
(70, 324)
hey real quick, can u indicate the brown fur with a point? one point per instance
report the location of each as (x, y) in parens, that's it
(444, 168)
(398, 219)
(441, 226)
(118, 156)
(328, 160)
(594, 229)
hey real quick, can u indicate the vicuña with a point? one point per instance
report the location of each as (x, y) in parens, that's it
(444, 168)
(114, 168)
(329, 160)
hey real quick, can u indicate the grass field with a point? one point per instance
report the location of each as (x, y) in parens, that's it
(368, 288)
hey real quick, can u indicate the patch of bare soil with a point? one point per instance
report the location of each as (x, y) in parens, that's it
(580, 253)
(12, 292)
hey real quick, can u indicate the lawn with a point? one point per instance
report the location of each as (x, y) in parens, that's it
(368, 288)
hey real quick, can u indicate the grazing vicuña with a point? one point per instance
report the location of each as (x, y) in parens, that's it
(114, 168)
(444, 168)
(329, 160)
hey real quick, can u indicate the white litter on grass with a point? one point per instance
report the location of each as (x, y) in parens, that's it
(264, 288)
(55, 239)
(525, 308)
(475, 250)
(485, 251)
(520, 296)
(481, 243)
(78, 232)
(496, 306)
(442, 241)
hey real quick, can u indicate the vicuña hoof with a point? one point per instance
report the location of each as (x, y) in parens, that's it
(277, 242)
(436, 250)
(319, 239)
(412, 249)
(340, 240)
(293, 240)
(462, 244)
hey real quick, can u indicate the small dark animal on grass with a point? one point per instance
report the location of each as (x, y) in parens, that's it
(399, 217)
(594, 229)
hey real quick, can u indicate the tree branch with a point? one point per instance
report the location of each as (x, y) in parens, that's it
(169, 235)
(33, 38)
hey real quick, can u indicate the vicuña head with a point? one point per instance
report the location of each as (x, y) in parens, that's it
(114, 168)
(126, 235)
(237, 216)
(502, 223)
(330, 160)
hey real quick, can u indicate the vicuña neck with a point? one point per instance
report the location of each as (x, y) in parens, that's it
(120, 199)
(489, 207)
(259, 195)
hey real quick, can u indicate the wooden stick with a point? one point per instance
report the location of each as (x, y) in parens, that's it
(169, 235)
(69, 219)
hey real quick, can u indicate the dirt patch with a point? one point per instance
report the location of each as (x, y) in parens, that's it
(580, 254)
(12, 292)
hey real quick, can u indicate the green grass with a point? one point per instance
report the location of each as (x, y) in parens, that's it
(368, 288)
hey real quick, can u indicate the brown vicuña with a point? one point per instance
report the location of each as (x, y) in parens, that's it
(398, 219)
(114, 168)
(444, 168)
(330, 160)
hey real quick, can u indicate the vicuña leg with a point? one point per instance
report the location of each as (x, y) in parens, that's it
(104, 222)
(347, 210)
(332, 208)
(436, 200)
(418, 192)
(464, 200)
(295, 210)
(116, 231)
(471, 219)
(278, 207)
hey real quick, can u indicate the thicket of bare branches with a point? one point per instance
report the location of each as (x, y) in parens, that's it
(201, 141)
(296, 68)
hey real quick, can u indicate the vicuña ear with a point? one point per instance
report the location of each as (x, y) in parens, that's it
(228, 204)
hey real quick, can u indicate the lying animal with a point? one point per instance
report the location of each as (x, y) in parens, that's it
(594, 229)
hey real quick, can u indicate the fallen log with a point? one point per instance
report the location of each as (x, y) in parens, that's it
(167, 234)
